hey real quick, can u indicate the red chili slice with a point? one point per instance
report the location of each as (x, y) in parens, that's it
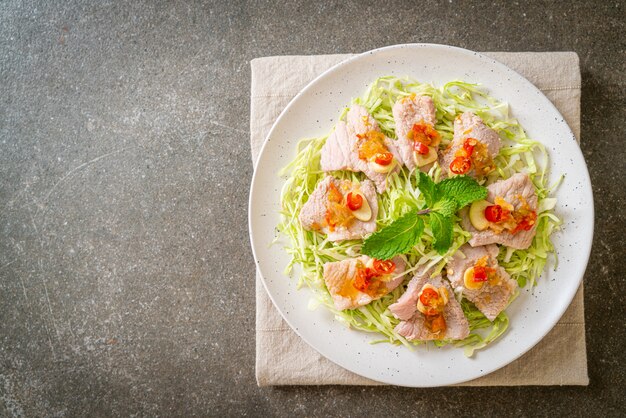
(469, 145)
(493, 213)
(460, 165)
(480, 274)
(428, 295)
(384, 266)
(421, 148)
(384, 158)
(354, 200)
(362, 280)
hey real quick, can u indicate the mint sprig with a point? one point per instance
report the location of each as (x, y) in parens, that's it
(396, 238)
(442, 200)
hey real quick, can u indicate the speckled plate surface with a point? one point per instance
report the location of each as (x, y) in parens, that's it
(314, 111)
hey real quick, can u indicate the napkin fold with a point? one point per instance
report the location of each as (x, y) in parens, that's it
(283, 358)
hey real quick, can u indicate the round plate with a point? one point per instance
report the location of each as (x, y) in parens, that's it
(314, 111)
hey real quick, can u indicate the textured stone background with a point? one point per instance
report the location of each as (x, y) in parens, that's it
(126, 278)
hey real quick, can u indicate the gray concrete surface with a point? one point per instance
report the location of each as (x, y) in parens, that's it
(126, 278)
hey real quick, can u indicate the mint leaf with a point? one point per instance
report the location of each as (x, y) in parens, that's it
(396, 238)
(442, 232)
(445, 206)
(463, 189)
(428, 188)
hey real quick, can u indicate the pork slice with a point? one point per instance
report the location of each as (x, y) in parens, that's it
(338, 152)
(407, 112)
(412, 326)
(491, 298)
(360, 121)
(404, 308)
(518, 184)
(411, 110)
(339, 276)
(314, 210)
(468, 125)
(466, 257)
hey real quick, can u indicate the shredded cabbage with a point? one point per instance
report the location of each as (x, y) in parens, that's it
(310, 250)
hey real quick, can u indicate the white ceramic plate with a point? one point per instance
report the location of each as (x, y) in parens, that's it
(314, 111)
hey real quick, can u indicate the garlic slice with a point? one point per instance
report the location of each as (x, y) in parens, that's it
(364, 213)
(382, 168)
(443, 292)
(477, 215)
(468, 280)
(420, 305)
(422, 160)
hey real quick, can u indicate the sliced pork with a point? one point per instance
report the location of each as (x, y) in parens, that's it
(342, 281)
(495, 294)
(468, 125)
(341, 150)
(519, 185)
(407, 112)
(413, 322)
(313, 215)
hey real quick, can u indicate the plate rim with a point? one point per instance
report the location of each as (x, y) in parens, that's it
(586, 255)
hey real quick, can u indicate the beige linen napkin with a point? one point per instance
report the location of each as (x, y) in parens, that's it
(283, 358)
